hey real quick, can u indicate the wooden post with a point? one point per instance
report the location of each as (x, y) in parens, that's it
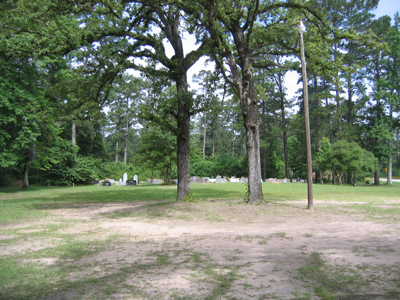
(301, 29)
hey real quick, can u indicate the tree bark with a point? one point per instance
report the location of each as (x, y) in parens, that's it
(284, 133)
(183, 143)
(204, 135)
(390, 167)
(73, 133)
(245, 89)
(126, 133)
(116, 151)
(171, 21)
(376, 177)
(213, 143)
(26, 169)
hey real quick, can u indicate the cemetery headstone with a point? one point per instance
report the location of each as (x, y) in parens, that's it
(234, 179)
(130, 182)
(124, 179)
(207, 179)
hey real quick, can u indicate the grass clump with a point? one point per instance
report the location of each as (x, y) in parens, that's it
(342, 282)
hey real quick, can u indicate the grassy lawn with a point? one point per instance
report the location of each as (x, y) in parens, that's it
(42, 253)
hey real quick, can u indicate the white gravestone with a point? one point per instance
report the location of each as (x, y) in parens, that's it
(124, 179)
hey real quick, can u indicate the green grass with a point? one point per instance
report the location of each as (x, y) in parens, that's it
(20, 204)
(331, 282)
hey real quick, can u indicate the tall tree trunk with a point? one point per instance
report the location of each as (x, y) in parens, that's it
(171, 21)
(243, 85)
(264, 162)
(338, 112)
(126, 149)
(213, 143)
(376, 177)
(126, 133)
(330, 126)
(337, 98)
(284, 134)
(116, 151)
(286, 153)
(26, 169)
(204, 135)
(390, 166)
(73, 133)
(245, 89)
(183, 123)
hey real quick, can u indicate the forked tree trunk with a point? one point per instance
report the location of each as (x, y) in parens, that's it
(245, 89)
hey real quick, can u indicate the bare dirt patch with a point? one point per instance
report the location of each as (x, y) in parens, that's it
(229, 250)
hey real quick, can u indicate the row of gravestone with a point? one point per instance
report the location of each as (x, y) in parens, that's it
(122, 181)
(219, 179)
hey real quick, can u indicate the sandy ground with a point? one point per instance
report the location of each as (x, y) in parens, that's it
(226, 250)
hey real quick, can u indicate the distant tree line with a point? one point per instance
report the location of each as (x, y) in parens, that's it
(71, 109)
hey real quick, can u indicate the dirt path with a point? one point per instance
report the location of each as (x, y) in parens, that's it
(225, 250)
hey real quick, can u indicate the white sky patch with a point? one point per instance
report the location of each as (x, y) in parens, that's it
(387, 7)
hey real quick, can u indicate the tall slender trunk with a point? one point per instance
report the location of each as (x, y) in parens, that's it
(286, 153)
(264, 158)
(116, 151)
(204, 135)
(73, 133)
(337, 98)
(126, 132)
(213, 143)
(338, 106)
(126, 149)
(330, 124)
(350, 103)
(26, 169)
(390, 166)
(284, 134)
(183, 123)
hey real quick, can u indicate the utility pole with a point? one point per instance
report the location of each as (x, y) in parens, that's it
(301, 30)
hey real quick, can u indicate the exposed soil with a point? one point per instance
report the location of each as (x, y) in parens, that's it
(226, 250)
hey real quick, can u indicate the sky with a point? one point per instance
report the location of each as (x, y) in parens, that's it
(387, 7)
